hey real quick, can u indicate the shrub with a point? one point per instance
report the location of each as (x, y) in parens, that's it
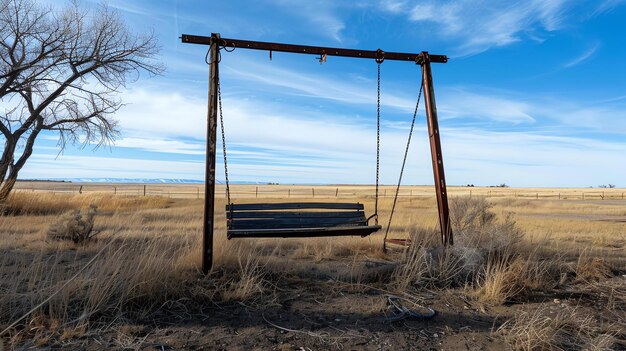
(483, 246)
(76, 226)
(476, 226)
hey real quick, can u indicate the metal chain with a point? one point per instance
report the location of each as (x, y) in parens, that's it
(219, 97)
(406, 153)
(377, 146)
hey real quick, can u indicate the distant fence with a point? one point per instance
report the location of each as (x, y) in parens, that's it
(297, 191)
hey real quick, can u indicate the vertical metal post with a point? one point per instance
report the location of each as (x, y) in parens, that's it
(209, 177)
(435, 150)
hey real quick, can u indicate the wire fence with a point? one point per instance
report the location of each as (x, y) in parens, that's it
(196, 191)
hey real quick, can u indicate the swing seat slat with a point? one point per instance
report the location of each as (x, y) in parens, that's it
(302, 219)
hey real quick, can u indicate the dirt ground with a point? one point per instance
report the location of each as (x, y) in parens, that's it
(316, 312)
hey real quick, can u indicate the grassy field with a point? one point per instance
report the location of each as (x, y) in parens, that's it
(327, 191)
(526, 273)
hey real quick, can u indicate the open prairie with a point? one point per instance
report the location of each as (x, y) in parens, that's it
(531, 269)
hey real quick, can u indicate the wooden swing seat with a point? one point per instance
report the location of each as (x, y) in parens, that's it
(297, 220)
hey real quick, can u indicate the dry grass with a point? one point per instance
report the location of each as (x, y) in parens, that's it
(569, 329)
(249, 282)
(49, 203)
(591, 269)
(150, 267)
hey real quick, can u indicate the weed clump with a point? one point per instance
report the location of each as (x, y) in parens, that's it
(76, 226)
(568, 330)
(488, 259)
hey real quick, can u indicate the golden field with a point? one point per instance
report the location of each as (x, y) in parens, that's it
(136, 282)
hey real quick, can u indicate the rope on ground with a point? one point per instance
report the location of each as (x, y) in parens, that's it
(93, 259)
(399, 312)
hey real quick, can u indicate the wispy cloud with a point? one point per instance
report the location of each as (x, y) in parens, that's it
(583, 57)
(169, 146)
(323, 15)
(394, 6)
(339, 88)
(108, 167)
(478, 25)
(607, 6)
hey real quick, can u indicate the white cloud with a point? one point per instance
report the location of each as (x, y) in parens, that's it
(583, 57)
(285, 142)
(479, 25)
(460, 103)
(394, 6)
(71, 166)
(162, 145)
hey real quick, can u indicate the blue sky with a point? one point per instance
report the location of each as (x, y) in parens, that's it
(533, 94)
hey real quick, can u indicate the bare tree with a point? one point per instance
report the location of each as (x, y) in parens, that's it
(62, 71)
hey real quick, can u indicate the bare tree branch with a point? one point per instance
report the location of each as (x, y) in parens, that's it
(61, 71)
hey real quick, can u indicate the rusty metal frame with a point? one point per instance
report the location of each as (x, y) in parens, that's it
(209, 176)
(435, 151)
(423, 58)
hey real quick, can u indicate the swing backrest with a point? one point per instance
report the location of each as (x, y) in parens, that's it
(294, 215)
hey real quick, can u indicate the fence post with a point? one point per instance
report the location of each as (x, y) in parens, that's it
(289, 193)
(80, 190)
(470, 194)
(337, 192)
(313, 192)
(144, 190)
(197, 193)
(256, 192)
(559, 196)
(114, 190)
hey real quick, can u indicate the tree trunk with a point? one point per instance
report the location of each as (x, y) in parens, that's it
(5, 191)
(14, 167)
(7, 156)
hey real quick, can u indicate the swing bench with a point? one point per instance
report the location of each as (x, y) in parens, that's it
(305, 219)
(300, 219)
(310, 219)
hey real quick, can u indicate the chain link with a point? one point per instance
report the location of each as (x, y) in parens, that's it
(219, 98)
(406, 153)
(377, 145)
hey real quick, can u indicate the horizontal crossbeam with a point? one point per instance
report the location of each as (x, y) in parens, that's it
(313, 50)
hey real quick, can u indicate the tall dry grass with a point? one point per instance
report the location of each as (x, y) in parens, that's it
(569, 329)
(149, 267)
(490, 260)
(20, 203)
